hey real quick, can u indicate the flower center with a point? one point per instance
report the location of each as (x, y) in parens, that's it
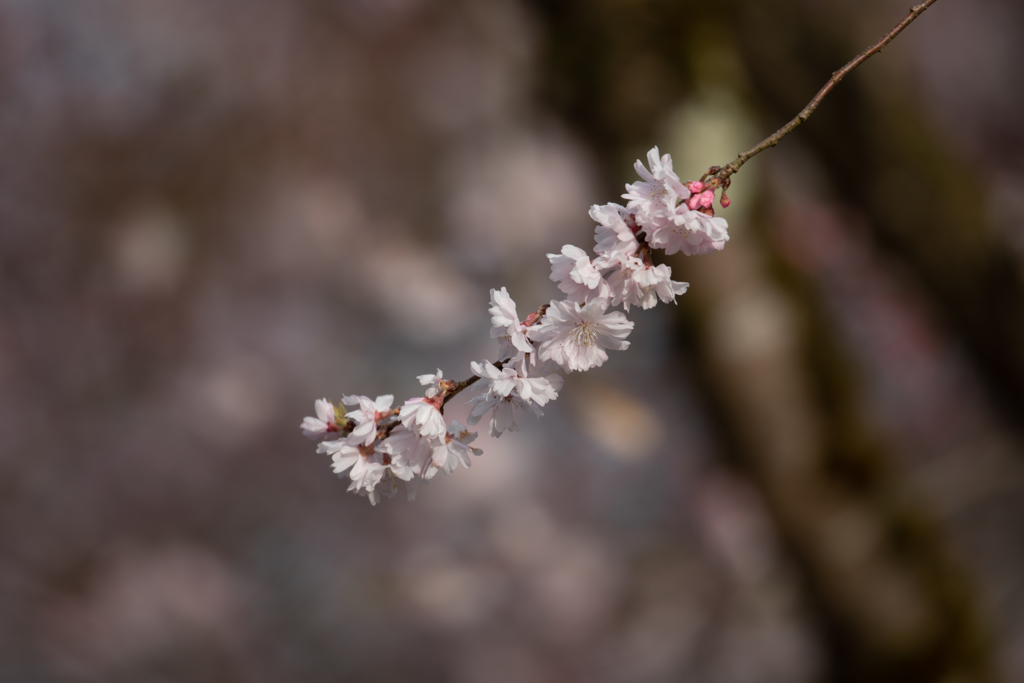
(584, 334)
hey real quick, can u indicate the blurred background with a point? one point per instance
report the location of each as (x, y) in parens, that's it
(213, 212)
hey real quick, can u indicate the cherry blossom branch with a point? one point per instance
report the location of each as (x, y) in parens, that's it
(376, 445)
(718, 176)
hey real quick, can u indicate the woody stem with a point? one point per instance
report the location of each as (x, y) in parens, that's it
(720, 175)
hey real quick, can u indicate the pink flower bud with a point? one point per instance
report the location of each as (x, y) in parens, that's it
(693, 202)
(707, 198)
(725, 201)
(695, 186)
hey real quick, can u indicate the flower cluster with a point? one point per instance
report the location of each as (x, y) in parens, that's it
(377, 445)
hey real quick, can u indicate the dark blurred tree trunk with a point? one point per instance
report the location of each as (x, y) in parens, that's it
(883, 157)
(893, 604)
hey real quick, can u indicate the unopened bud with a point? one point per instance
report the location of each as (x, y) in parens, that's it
(693, 202)
(707, 198)
(725, 201)
(695, 186)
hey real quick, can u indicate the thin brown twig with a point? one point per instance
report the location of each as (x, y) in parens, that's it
(459, 386)
(719, 176)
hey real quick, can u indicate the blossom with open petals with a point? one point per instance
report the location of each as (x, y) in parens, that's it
(637, 284)
(504, 407)
(409, 447)
(432, 382)
(576, 275)
(573, 263)
(367, 466)
(453, 449)
(576, 336)
(655, 197)
(324, 422)
(507, 390)
(506, 326)
(366, 416)
(423, 417)
(378, 475)
(343, 453)
(614, 237)
(514, 379)
(691, 232)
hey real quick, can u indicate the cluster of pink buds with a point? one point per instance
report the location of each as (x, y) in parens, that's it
(377, 445)
(702, 198)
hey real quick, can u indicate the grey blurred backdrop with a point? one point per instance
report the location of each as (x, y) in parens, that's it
(213, 212)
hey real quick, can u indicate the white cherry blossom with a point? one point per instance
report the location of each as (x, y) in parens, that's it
(505, 321)
(576, 275)
(582, 294)
(574, 264)
(409, 447)
(613, 235)
(576, 336)
(691, 232)
(534, 368)
(639, 284)
(655, 197)
(507, 390)
(324, 422)
(343, 453)
(367, 466)
(369, 472)
(453, 449)
(423, 417)
(512, 378)
(540, 390)
(388, 487)
(366, 416)
(504, 407)
(541, 384)
(502, 381)
(366, 472)
(433, 382)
